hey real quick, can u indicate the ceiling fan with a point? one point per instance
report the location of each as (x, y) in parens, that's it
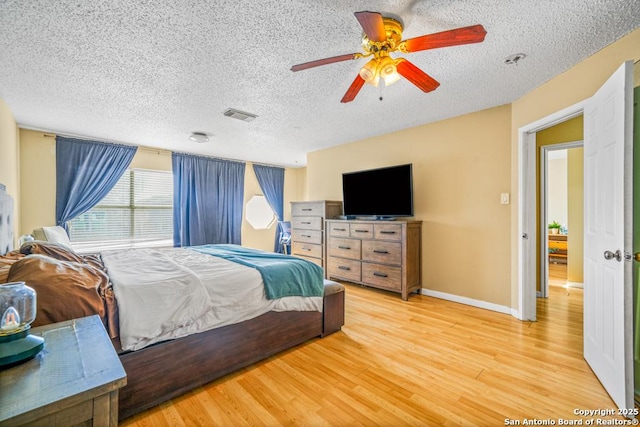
(382, 36)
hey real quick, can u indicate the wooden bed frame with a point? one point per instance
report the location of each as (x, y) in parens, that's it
(166, 370)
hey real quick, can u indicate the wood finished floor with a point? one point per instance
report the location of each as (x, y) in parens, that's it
(557, 274)
(422, 362)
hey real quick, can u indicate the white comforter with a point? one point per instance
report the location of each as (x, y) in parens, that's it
(170, 293)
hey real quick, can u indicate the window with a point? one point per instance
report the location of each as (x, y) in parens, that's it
(259, 214)
(138, 211)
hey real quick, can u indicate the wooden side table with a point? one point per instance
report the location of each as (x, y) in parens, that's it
(74, 380)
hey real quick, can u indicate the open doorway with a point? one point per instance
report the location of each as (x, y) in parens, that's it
(560, 200)
(561, 216)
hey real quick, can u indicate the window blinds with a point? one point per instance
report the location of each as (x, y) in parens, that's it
(138, 211)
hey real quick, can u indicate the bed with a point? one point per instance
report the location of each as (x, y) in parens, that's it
(163, 367)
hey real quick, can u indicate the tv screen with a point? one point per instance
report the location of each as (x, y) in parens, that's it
(384, 192)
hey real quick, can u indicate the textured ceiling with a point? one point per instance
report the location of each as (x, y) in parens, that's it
(151, 72)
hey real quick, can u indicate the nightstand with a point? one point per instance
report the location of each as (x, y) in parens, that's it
(74, 380)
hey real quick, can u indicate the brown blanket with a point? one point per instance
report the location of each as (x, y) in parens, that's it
(67, 285)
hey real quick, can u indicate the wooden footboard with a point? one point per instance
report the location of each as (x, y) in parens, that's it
(166, 370)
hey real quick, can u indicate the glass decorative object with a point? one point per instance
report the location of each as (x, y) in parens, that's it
(18, 310)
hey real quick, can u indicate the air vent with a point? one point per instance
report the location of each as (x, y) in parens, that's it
(240, 115)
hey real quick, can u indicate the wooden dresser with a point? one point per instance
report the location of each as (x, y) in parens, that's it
(558, 248)
(380, 254)
(74, 380)
(307, 228)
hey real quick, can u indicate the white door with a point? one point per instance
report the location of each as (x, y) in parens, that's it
(608, 318)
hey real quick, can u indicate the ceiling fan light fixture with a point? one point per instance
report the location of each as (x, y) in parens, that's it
(199, 137)
(382, 36)
(388, 70)
(369, 72)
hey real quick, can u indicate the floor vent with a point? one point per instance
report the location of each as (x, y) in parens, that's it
(240, 115)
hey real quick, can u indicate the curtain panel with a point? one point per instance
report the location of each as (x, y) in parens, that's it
(208, 198)
(85, 173)
(271, 180)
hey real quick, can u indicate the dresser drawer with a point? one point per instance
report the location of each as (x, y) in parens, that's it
(317, 261)
(384, 276)
(338, 229)
(307, 236)
(361, 231)
(344, 268)
(558, 245)
(387, 231)
(383, 252)
(306, 249)
(345, 248)
(306, 223)
(307, 209)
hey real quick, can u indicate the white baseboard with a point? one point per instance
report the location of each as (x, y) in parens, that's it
(470, 301)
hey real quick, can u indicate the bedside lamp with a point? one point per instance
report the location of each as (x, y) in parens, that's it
(18, 310)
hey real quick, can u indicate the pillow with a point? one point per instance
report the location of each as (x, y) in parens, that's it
(64, 290)
(55, 234)
(54, 250)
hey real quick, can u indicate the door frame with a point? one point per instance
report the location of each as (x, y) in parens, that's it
(527, 215)
(543, 219)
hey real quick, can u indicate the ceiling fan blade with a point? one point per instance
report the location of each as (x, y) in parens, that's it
(464, 35)
(353, 89)
(416, 76)
(372, 25)
(324, 61)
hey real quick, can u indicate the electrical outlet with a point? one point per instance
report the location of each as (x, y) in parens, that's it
(504, 198)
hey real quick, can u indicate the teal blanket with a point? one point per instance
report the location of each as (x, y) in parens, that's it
(283, 275)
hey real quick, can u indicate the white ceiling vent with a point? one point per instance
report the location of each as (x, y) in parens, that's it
(240, 115)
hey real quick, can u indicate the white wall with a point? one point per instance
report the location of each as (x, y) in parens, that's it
(557, 208)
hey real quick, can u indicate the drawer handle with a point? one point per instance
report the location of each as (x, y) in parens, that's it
(305, 235)
(339, 229)
(345, 247)
(387, 232)
(342, 267)
(307, 209)
(375, 251)
(380, 275)
(306, 249)
(361, 231)
(305, 222)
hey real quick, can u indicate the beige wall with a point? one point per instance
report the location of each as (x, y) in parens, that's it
(575, 198)
(9, 160)
(575, 85)
(37, 180)
(460, 167)
(152, 159)
(38, 189)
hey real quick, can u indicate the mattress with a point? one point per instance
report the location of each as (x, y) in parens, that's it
(169, 293)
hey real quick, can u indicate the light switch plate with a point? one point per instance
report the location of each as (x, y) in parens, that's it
(504, 198)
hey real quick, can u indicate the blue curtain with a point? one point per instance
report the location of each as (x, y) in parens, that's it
(271, 180)
(208, 197)
(85, 173)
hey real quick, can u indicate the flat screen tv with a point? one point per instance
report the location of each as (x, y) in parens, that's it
(380, 193)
